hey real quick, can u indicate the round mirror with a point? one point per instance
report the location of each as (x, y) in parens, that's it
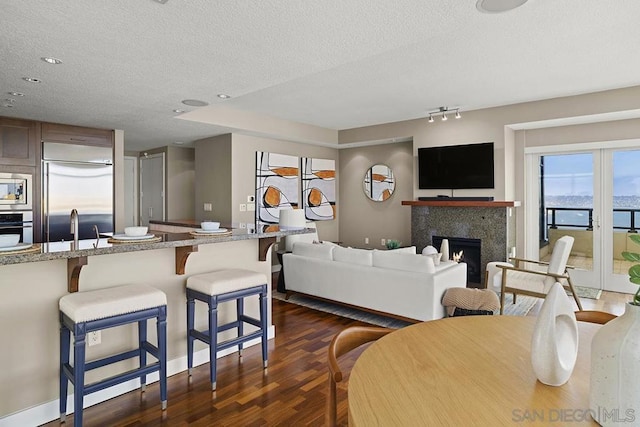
(379, 183)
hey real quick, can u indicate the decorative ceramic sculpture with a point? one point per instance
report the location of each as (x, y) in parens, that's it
(615, 363)
(554, 347)
(444, 249)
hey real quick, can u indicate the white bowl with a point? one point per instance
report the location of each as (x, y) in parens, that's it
(9, 240)
(135, 231)
(210, 225)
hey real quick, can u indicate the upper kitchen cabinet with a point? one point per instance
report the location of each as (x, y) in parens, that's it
(18, 142)
(53, 132)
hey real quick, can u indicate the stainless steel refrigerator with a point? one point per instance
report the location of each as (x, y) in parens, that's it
(76, 177)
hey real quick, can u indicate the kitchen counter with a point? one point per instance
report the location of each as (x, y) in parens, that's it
(88, 247)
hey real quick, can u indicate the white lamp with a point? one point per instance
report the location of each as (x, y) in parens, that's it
(294, 219)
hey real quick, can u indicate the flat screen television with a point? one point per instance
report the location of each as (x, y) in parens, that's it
(456, 166)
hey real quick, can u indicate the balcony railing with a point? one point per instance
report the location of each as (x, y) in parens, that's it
(557, 217)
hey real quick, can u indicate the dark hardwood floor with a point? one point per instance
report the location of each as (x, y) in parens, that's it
(291, 392)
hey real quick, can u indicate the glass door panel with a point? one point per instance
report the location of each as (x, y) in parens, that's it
(625, 211)
(568, 207)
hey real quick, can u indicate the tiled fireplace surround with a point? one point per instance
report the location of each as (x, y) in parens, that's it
(491, 222)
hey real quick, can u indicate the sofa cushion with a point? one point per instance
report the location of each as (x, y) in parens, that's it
(312, 250)
(353, 256)
(406, 262)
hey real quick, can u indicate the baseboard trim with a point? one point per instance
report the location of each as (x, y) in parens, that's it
(50, 411)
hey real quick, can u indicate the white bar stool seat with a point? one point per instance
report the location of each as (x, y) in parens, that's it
(85, 312)
(217, 287)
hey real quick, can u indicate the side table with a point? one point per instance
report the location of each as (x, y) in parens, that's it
(280, 287)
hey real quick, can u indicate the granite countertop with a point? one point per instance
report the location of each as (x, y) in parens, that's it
(88, 247)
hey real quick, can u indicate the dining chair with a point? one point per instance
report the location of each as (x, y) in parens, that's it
(342, 343)
(536, 283)
(594, 316)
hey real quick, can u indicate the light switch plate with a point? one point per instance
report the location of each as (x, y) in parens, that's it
(208, 207)
(251, 206)
(243, 207)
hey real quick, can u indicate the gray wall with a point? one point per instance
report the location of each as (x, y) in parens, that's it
(361, 217)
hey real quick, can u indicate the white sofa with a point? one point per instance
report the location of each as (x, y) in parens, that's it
(395, 282)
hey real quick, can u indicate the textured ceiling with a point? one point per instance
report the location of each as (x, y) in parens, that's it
(337, 64)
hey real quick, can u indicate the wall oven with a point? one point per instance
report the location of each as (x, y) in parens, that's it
(17, 223)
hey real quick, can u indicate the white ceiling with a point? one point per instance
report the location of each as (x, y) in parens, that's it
(338, 64)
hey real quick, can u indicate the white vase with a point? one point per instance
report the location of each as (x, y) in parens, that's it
(615, 364)
(444, 249)
(554, 345)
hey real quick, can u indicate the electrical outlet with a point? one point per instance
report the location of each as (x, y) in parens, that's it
(383, 242)
(94, 338)
(243, 207)
(208, 207)
(366, 240)
(243, 225)
(251, 207)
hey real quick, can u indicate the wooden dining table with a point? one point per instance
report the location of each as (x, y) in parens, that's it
(465, 371)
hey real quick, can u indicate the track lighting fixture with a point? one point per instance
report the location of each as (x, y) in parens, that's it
(443, 111)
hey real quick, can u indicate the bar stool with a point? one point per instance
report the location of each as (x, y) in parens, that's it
(85, 312)
(217, 287)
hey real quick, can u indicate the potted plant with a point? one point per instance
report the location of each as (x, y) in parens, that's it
(615, 358)
(634, 270)
(393, 244)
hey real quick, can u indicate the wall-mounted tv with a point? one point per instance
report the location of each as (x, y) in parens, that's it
(456, 166)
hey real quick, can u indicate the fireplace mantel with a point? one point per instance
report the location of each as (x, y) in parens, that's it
(463, 203)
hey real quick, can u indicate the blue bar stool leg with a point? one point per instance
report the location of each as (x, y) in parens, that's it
(213, 339)
(78, 373)
(190, 324)
(142, 337)
(263, 323)
(65, 342)
(162, 350)
(239, 314)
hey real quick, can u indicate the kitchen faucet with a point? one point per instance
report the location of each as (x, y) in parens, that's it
(74, 226)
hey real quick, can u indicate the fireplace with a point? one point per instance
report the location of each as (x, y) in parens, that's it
(469, 250)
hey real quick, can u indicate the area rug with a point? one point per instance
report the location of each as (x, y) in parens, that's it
(584, 292)
(521, 308)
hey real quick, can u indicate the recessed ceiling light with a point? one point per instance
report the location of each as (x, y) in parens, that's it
(16, 93)
(31, 80)
(498, 6)
(8, 105)
(223, 96)
(194, 103)
(10, 100)
(161, 1)
(51, 60)
(177, 110)
(179, 143)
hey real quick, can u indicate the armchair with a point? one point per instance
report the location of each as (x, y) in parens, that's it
(537, 283)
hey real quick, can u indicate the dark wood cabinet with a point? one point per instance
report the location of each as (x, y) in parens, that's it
(18, 142)
(53, 132)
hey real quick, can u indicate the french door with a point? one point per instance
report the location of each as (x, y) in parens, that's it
(592, 194)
